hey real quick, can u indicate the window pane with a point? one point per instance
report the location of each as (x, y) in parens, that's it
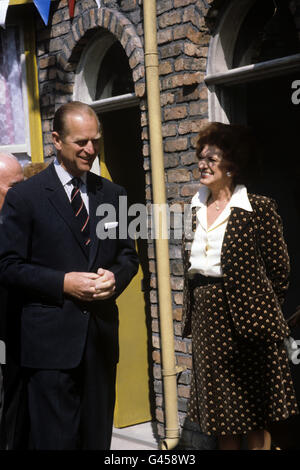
(115, 76)
(12, 127)
(268, 32)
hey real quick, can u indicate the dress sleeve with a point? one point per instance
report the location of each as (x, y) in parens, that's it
(273, 249)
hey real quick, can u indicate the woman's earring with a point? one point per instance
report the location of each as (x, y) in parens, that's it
(228, 173)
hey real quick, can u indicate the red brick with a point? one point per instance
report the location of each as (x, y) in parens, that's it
(195, 50)
(189, 189)
(183, 391)
(177, 314)
(137, 57)
(190, 64)
(194, 35)
(176, 145)
(178, 176)
(171, 161)
(140, 89)
(127, 5)
(184, 361)
(171, 50)
(191, 14)
(180, 32)
(182, 79)
(189, 158)
(169, 130)
(154, 311)
(180, 346)
(178, 299)
(138, 73)
(60, 29)
(47, 61)
(183, 95)
(165, 68)
(176, 283)
(183, 3)
(156, 357)
(166, 98)
(164, 36)
(155, 326)
(199, 107)
(178, 112)
(172, 191)
(159, 415)
(187, 127)
(169, 19)
(196, 173)
(157, 372)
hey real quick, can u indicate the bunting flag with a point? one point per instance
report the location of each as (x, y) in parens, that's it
(3, 11)
(43, 7)
(98, 3)
(71, 8)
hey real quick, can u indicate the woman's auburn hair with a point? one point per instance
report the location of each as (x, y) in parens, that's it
(238, 147)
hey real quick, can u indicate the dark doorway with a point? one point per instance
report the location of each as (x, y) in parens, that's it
(124, 161)
(123, 151)
(276, 123)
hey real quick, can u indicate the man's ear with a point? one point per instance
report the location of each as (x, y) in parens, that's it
(56, 140)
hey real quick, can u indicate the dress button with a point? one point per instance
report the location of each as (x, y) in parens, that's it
(85, 312)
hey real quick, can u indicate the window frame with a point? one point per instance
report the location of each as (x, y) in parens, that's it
(33, 146)
(21, 148)
(87, 73)
(220, 75)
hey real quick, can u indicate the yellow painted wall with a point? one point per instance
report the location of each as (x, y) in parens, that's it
(35, 125)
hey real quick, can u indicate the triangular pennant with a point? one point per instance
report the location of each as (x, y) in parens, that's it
(43, 7)
(98, 3)
(71, 8)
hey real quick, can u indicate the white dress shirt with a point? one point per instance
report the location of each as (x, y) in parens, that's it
(66, 178)
(207, 244)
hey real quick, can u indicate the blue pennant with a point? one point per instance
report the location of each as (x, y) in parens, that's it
(43, 7)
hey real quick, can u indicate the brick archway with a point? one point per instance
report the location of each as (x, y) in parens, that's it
(93, 20)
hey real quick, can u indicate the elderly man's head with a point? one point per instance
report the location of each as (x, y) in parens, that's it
(11, 173)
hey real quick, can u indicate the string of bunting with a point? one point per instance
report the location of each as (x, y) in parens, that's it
(43, 7)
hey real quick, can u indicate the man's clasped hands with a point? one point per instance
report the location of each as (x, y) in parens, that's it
(90, 286)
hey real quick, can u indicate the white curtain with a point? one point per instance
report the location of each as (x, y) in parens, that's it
(12, 126)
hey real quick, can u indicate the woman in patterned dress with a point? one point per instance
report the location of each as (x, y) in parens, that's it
(236, 276)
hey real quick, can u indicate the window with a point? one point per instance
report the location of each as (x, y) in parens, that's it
(103, 76)
(20, 121)
(14, 128)
(255, 41)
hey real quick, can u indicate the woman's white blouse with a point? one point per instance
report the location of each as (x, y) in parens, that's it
(207, 244)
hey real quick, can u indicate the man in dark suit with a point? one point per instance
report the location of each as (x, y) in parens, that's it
(11, 173)
(69, 280)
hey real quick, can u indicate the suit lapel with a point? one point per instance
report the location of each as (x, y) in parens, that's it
(95, 194)
(237, 223)
(59, 199)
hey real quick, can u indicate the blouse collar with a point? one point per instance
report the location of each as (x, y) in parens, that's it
(239, 198)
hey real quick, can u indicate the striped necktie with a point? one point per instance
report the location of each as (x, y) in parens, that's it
(80, 210)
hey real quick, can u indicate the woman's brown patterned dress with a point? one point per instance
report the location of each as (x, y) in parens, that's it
(241, 380)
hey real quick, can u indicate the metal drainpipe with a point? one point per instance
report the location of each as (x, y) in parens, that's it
(169, 369)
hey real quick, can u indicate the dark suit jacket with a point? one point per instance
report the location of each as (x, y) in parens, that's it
(39, 243)
(255, 266)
